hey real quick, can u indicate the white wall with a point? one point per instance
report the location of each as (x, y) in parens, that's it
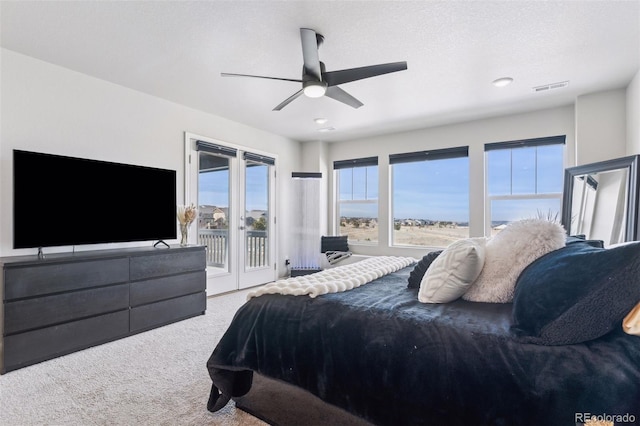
(633, 116)
(601, 126)
(52, 109)
(474, 134)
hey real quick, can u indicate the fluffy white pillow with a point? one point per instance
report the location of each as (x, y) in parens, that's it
(508, 253)
(453, 271)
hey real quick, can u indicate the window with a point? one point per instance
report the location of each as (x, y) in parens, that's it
(357, 184)
(430, 197)
(524, 180)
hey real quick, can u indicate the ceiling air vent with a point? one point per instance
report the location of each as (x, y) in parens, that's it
(552, 86)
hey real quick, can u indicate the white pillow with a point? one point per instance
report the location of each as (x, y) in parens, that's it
(453, 271)
(508, 253)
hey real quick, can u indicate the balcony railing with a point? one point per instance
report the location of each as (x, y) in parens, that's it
(256, 249)
(217, 243)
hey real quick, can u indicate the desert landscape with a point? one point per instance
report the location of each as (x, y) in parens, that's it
(426, 236)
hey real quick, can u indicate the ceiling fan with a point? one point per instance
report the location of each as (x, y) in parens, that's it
(317, 82)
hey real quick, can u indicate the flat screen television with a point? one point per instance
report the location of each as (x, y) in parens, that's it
(60, 201)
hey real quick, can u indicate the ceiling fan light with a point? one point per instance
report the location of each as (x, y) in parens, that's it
(315, 89)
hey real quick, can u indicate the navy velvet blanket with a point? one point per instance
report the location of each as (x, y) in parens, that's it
(378, 353)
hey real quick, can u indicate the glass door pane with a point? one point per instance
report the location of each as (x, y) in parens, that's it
(256, 215)
(214, 208)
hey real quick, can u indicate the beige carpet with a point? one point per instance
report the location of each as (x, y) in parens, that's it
(154, 378)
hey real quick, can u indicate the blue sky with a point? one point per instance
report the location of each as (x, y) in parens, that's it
(436, 190)
(214, 188)
(525, 171)
(439, 190)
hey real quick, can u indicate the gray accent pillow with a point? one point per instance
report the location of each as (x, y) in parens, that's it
(415, 277)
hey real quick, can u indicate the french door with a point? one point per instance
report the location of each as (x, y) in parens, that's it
(233, 188)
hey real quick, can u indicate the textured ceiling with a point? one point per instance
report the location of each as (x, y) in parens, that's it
(177, 49)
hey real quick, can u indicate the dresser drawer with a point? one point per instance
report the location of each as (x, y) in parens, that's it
(44, 311)
(169, 263)
(32, 281)
(46, 343)
(154, 290)
(160, 313)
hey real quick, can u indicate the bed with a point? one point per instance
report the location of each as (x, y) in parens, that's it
(375, 354)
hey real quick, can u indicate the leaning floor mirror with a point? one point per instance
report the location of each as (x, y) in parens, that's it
(600, 200)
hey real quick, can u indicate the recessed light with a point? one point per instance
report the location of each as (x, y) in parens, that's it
(503, 81)
(320, 120)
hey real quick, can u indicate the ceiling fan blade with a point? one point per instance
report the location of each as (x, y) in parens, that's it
(334, 92)
(310, 53)
(288, 100)
(334, 78)
(227, 74)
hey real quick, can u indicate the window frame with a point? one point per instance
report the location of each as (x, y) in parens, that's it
(516, 144)
(352, 164)
(421, 156)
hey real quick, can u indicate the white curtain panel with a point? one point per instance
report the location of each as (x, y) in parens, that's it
(306, 223)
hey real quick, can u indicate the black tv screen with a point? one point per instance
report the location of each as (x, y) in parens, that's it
(60, 201)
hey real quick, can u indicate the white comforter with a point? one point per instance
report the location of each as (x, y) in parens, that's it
(335, 280)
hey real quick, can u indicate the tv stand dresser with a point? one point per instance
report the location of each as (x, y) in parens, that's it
(66, 302)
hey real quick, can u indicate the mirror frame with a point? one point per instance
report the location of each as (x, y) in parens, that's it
(632, 231)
